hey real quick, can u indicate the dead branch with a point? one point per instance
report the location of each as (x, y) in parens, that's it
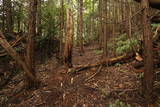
(99, 70)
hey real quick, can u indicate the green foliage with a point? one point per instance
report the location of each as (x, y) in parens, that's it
(119, 103)
(125, 45)
(117, 65)
(49, 13)
(98, 52)
(155, 25)
(141, 75)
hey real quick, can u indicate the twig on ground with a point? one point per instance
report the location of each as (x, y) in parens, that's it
(99, 70)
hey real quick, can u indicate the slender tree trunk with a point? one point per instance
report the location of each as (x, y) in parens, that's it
(78, 27)
(19, 19)
(100, 25)
(9, 20)
(105, 28)
(3, 17)
(81, 27)
(148, 50)
(61, 31)
(31, 36)
(18, 23)
(69, 39)
(39, 17)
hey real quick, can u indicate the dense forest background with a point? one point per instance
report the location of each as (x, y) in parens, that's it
(89, 53)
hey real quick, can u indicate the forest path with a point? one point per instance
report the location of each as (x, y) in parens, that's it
(59, 89)
(111, 83)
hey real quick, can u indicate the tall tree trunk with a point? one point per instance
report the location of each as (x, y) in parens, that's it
(105, 28)
(148, 51)
(81, 26)
(100, 24)
(31, 35)
(78, 27)
(19, 18)
(9, 20)
(69, 39)
(39, 18)
(61, 31)
(3, 17)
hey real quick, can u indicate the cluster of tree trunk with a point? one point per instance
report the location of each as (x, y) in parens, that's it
(28, 63)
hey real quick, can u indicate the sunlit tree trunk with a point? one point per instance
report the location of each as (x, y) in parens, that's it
(148, 59)
(69, 39)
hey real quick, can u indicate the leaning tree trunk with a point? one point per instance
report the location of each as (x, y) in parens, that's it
(9, 49)
(148, 51)
(69, 40)
(31, 37)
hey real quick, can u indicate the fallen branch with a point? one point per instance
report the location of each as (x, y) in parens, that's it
(99, 70)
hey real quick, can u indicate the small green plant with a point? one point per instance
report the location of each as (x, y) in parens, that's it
(119, 103)
(117, 65)
(98, 52)
(141, 75)
(155, 25)
(125, 44)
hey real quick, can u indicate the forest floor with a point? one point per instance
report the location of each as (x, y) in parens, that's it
(117, 84)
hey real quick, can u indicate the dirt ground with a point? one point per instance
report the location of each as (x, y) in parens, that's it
(111, 87)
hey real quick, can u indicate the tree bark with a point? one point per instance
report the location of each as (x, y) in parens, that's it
(9, 20)
(3, 17)
(31, 35)
(15, 56)
(81, 26)
(100, 25)
(148, 53)
(39, 18)
(61, 31)
(105, 28)
(69, 39)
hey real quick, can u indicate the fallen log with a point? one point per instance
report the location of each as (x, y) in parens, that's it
(15, 56)
(108, 62)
